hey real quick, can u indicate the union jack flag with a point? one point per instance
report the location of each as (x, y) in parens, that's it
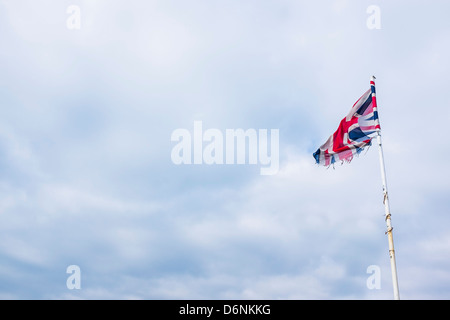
(354, 133)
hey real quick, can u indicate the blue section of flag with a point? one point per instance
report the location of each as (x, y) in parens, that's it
(364, 106)
(357, 135)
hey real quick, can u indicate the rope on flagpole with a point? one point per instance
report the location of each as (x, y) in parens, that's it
(386, 202)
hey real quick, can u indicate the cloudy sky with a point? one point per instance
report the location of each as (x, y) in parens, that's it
(87, 179)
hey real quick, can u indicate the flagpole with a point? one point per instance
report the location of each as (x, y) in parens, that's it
(386, 203)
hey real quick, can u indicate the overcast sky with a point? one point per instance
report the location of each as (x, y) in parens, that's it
(87, 179)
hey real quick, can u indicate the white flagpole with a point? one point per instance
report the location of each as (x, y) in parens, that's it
(386, 204)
